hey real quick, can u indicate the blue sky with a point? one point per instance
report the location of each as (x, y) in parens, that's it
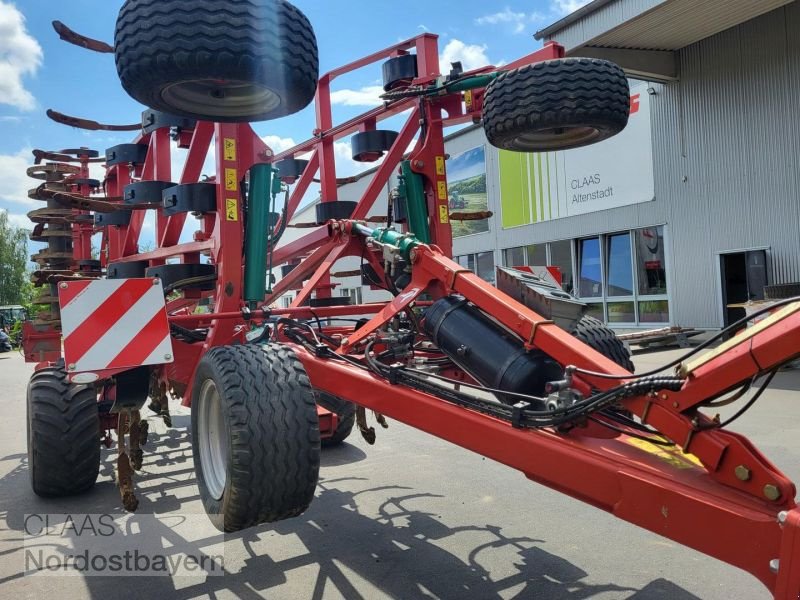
(38, 71)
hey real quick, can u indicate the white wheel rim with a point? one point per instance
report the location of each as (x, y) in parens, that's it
(212, 436)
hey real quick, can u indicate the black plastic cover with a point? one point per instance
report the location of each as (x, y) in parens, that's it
(369, 146)
(127, 270)
(155, 119)
(340, 209)
(118, 217)
(290, 168)
(399, 71)
(145, 192)
(126, 153)
(190, 198)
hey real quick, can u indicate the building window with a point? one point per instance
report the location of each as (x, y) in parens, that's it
(627, 272)
(482, 264)
(537, 255)
(353, 293)
(591, 275)
(515, 257)
(621, 312)
(650, 264)
(533, 255)
(561, 257)
(286, 301)
(485, 261)
(654, 311)
(619, 264)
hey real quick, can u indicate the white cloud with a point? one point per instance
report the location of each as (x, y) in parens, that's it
(515, 19)
(20, 54)
(471, 56)
(366, 96)
(565, 7)
(278, 144)
(14, 181)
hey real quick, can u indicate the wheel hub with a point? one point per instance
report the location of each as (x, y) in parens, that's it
(229, 99)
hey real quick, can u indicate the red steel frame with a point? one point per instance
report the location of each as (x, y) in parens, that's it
(692, 496)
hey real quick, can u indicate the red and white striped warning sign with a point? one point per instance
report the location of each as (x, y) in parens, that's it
(114, 324)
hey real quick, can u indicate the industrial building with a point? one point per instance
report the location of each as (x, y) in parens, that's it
(694, 207)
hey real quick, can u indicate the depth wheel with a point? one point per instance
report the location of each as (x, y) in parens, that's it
(255, 435)
(346, 411)
(597, 335)
(232, 61)
(556, 105)
(63, 434)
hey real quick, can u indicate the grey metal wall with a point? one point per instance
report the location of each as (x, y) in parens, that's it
(727, 157)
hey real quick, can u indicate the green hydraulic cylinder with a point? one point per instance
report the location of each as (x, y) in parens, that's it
(258, 225)
(413, 191)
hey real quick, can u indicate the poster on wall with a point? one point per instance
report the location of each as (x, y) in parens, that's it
(551, 185)
(466, 174)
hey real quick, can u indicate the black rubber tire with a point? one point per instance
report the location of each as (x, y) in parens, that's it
(556, 105)
(162, 45)
(596, 334)
(781, 291)
(63, 434)
(345, 410)
(270, 413)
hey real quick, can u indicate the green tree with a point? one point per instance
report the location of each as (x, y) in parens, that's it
(14, 285)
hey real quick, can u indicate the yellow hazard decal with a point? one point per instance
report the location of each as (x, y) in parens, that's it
(468, 99)
(671, 454)
(232, 209)
(444, 214)
(231, 180)
(230, 149)
(440, 165)
(442, 190)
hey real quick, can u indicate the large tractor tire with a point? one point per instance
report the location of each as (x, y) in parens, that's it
(556, 105)
(231, 61)
(255, 435)
(598, 336)
(346, 411)
(63, 434)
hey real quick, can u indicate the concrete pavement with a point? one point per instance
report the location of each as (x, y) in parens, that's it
(411, 517)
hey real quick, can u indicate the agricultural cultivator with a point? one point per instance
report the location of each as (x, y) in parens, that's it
(516, 375)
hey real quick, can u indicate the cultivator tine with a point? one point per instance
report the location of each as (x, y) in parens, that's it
(63, 156)
(72, 37)
(367, 432)
(128, 425)
(88, 124)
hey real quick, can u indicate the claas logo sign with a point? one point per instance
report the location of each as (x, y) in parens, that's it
(635, 103)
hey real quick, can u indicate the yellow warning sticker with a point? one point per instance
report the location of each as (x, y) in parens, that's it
(442, 190)
(230, 149)
(440, 165)
(232, 209)
(444, 214)
(670, 454)
(231, 180)
(468, 99)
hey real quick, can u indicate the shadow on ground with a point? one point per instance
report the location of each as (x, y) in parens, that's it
(353, 538)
